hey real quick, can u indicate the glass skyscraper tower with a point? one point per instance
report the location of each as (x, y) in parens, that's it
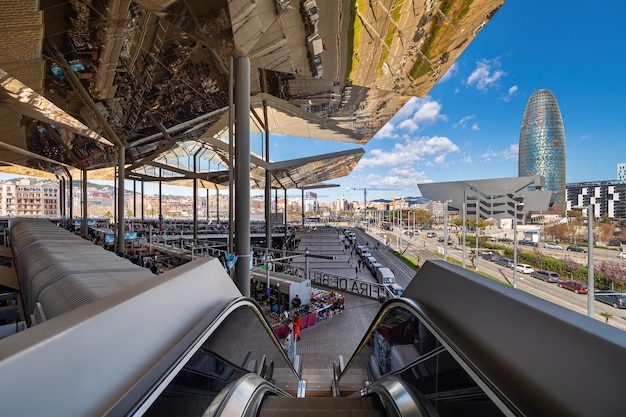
(542, 145)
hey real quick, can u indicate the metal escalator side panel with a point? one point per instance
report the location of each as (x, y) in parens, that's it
(111, 348)
(221, 353)
(242, 398)
(395, 395)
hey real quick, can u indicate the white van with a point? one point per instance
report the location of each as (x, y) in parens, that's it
(396, 289)
(314, 44)
(385, 276)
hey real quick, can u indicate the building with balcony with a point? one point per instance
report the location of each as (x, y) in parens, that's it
(27, 197)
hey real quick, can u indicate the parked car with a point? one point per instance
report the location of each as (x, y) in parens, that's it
(621, 255)
(488, 256)
(527, 242)
(577, 287)
(505, 240)
(574, 248)
(614, 298)
(545, 275)
(524, 268)
(431, 234)
(552, 245)
(508, 262)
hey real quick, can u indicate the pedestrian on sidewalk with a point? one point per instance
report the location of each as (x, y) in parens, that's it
(359, 264)
(356, 271)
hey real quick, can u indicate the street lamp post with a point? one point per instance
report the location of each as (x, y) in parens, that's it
(445, 230)
(464, 208)
(590, 275)
(516, 205)
(515, 249)
(476, 254)
(590, 271)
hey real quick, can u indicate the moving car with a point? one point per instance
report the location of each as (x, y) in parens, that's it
(524, 268)
(527, 242)
(574, 248)
(552, 245)
(431, 234)
(614, 298)
(545, 275)
(577, 287)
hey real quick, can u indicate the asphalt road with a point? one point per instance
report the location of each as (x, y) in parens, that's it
(422, 248)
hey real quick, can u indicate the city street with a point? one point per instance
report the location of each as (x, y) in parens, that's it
(421, 247)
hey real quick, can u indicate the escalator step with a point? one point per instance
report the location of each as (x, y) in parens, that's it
(277, 406)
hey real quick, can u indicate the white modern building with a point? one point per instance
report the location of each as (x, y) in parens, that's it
(621, 172)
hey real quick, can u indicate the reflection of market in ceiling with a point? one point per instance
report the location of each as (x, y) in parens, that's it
(156, 73)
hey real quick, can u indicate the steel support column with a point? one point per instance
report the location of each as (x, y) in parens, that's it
(83, 223)
(242, 176)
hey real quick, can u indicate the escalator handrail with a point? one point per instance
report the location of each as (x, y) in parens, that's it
(207, 330)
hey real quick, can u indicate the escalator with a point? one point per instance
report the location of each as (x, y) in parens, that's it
(421, 356)
(400, 368)
(447, 348)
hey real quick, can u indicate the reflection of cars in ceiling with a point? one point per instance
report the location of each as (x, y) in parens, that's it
(317, 69)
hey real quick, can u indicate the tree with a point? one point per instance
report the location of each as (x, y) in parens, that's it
(558, 231)
(422, 217)
(606, 316)
(606, 232)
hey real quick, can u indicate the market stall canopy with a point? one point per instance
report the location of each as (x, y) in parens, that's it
(158, 73)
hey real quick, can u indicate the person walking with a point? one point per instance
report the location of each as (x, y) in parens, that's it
(356, 271)
(297, 323)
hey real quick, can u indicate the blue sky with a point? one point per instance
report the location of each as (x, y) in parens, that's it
(468, 126)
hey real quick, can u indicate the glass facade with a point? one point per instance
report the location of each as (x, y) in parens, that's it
(542, 145)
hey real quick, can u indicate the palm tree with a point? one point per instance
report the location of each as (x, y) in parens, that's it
(606, 316)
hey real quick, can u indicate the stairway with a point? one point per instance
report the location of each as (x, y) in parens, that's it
(278, 406)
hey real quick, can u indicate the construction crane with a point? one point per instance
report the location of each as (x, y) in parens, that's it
(365, 197)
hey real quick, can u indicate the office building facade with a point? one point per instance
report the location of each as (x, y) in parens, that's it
(542, 145)
(608, 197)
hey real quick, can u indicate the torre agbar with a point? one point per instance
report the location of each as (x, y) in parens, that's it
(542, 145)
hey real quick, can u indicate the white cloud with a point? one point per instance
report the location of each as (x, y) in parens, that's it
(512, 91)
(398, 177)
(463, 122)
(386, 132)
(486, 75)
(467, 160)
(511, 153)
(475, 127)
(410, 152)
(415, 114)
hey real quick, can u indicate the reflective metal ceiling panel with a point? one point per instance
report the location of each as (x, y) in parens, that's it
(157, 72)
